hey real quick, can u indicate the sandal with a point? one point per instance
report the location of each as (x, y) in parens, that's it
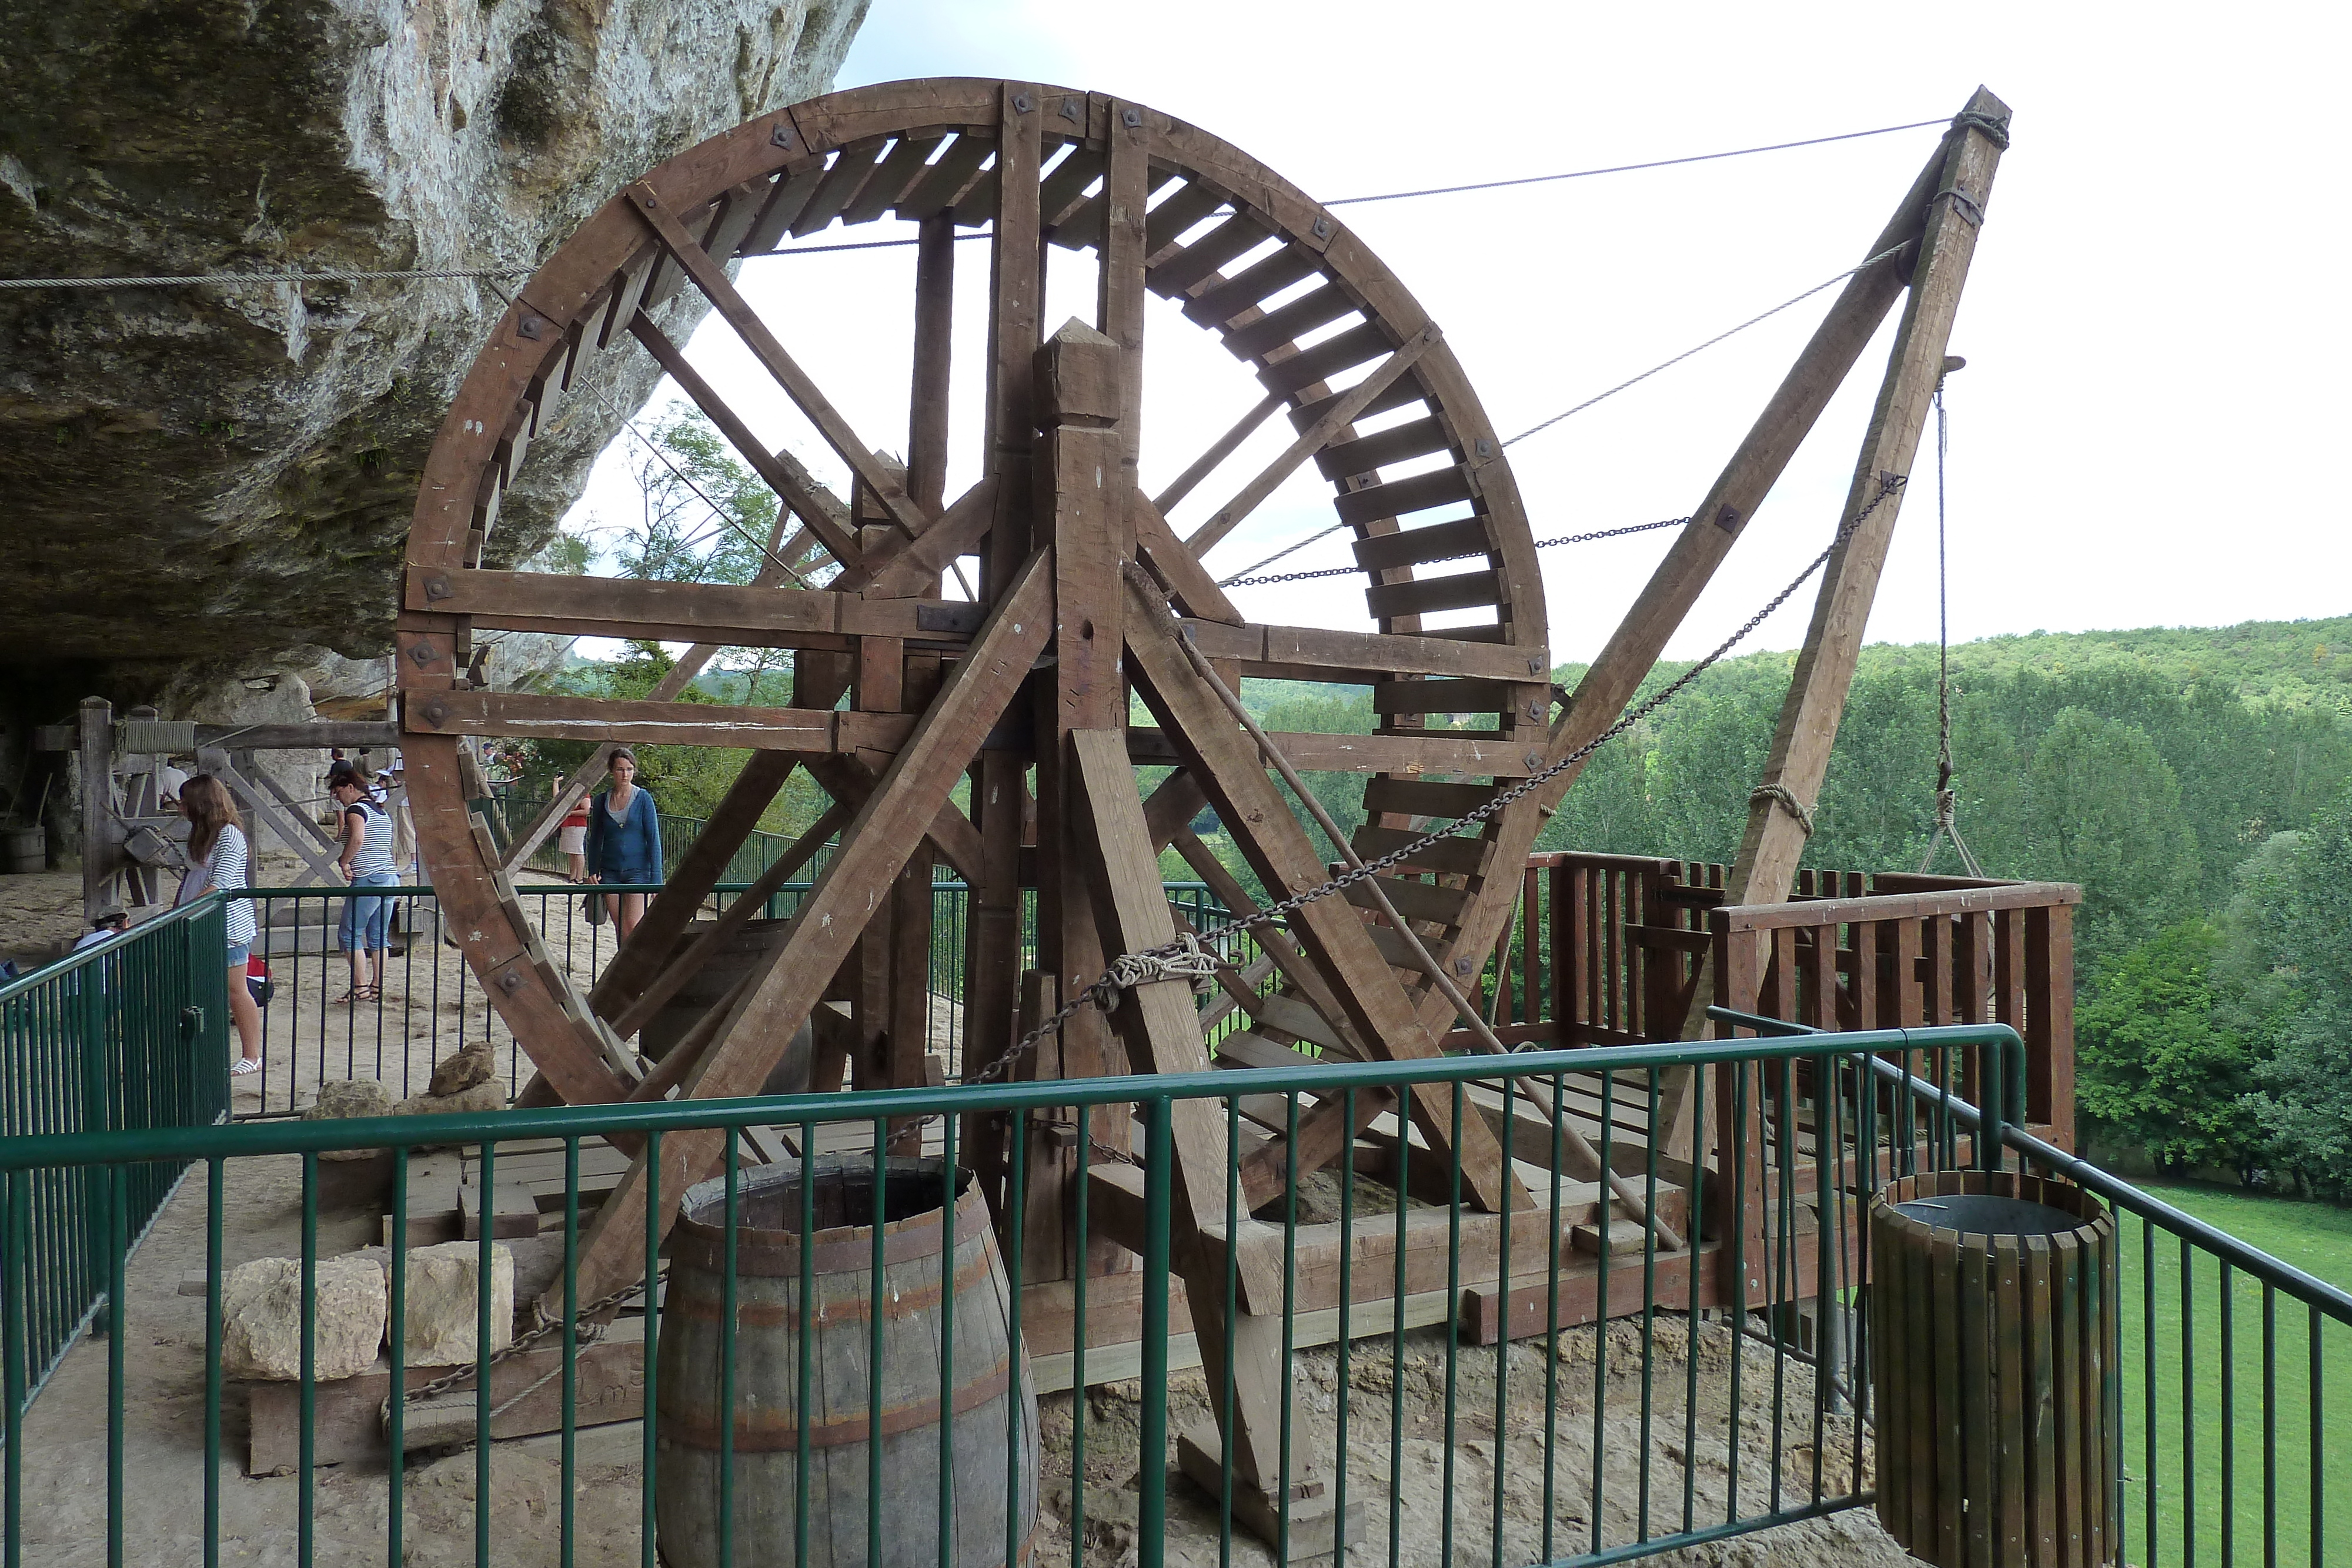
(356, 993)
(242, 1066)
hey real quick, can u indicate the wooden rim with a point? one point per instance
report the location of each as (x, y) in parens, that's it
(1384, 411)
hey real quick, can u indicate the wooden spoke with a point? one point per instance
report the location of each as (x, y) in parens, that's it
(788, 484)
(1216, 452)
(720, 289)
(1321, 433)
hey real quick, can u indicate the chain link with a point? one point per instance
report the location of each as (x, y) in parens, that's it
(1465, 555)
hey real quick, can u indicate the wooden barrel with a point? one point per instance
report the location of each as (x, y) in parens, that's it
(746, 948)
(992, 1402)
(24, 850)
(1993, 1323)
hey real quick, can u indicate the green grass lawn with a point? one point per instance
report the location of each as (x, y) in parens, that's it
(2188, 1402)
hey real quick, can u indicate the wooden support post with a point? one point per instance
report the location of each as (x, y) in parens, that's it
(835, 913)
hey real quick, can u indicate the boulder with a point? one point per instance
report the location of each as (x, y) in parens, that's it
(484, 1096)
(261, 1318)
(354, 1097)
(470, 1066)
(443, 1303)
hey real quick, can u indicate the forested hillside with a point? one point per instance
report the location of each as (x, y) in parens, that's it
(2197, 783)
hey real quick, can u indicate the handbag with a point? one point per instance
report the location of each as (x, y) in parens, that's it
(596, 909)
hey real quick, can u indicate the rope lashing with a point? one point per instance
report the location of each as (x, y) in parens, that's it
(1783, 796)
(1130, 970)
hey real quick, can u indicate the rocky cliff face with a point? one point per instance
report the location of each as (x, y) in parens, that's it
(213, 477)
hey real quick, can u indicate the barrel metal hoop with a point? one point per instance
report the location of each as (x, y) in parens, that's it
(777, 1431)
(682, 1300)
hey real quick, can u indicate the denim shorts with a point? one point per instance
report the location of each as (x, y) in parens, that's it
(636, 873)
(238, 955)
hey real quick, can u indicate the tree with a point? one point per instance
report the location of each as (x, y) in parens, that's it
(2159, 1066)
(2292, 926)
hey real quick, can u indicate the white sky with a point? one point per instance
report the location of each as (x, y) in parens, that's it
(2155, 335)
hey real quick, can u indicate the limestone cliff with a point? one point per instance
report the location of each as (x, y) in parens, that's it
(209, 476)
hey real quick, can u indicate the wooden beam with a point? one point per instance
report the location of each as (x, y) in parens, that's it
(1766, 863)
(800, 731)
(831, 918)
(1475, 754)
(1217, 451)
(723, 614)
(1366, 656)
(1226, 763)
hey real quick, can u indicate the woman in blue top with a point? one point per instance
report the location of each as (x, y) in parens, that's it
(625, 840)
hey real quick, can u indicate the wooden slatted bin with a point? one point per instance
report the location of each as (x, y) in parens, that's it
(1992, 1324)
(925, 1308)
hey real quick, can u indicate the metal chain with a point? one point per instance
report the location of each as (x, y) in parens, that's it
(1105, 991)
(1465, 555)
(520, 1343)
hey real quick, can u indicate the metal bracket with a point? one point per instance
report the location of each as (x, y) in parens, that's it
(782, 136)
(421, 654)
(1964, 204)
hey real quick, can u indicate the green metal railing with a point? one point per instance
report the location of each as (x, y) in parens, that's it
(431, 1005)
(1539, 1490)
(2199, 1404)
(126, 1037)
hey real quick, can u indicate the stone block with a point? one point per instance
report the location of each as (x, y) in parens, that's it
(261, 1318)
(456, 1074)
(354, 1097)
(444, 1302)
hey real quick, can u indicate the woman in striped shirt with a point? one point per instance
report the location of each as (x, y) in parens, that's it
(366, 861)
(218, 857)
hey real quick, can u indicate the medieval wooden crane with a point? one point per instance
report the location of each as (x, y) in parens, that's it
(1085, 588)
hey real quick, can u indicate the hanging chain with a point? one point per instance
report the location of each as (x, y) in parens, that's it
(1246, 582)
(589, 1334)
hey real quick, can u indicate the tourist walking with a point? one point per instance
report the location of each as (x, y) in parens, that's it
(571, 836)
(625, 840)
(219, 857)
(366, 861)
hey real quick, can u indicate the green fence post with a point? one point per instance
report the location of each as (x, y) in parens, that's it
(97, 1180)
(1151, 1505)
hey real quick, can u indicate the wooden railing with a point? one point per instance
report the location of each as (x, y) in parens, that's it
(1607, 950)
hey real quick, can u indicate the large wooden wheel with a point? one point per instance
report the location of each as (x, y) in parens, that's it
(1084, 584)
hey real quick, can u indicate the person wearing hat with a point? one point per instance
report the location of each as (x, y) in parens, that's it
(110, 921)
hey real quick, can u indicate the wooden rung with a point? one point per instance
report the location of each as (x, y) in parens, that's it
(1398, 443)
(1441, 696)
(1167, 222)
(628, 292)
(1327, 359)
(1221, 301)
(951, 174)
(791, 193)
(1235, 235)
(1402, 392)
(1424, 798)
(852, 167)
(1464, 590)
(1402, 497)
(1244, 1049)
(1316, 307)
(1082, 229)
(1293, 1015)
(1416, 901)
(1459, 855)
(900, 168)
(1063, 189)
(977, 205)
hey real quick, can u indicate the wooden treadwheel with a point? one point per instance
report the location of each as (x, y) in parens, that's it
(1081, 580)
